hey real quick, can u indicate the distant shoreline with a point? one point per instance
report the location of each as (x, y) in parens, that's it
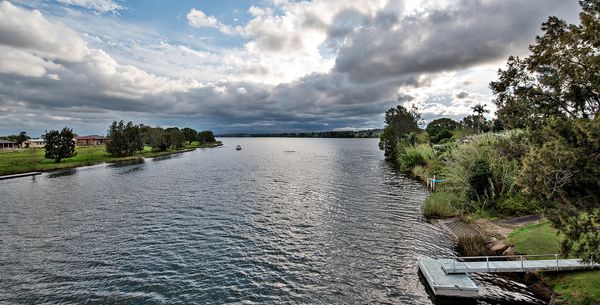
(370, 133)
(32, 159)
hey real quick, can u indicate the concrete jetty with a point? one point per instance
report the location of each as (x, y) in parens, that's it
(449, 277)
(31, 174)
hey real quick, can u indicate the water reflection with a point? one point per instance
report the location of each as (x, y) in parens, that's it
(61, 173)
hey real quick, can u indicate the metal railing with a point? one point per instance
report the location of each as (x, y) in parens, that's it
(521, 258)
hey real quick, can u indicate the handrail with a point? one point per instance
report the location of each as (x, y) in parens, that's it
(504, 256)
(521, 259)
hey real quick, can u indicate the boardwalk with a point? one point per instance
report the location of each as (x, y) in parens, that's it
(449, 277)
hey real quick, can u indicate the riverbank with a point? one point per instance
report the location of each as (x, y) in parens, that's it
(526, 235)
(32, 159)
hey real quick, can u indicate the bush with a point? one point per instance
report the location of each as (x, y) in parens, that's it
(517, 205)
(480, 175)
(472, 245)
(442, 136)
(441, 204)
(413, 156)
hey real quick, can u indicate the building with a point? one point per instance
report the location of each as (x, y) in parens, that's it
(4, 144)
(90, 140)
(34, 143)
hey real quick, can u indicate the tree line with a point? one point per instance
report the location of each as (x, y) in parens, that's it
(126, 139)
(547, 157)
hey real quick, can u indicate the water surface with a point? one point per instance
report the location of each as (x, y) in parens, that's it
(312, 221)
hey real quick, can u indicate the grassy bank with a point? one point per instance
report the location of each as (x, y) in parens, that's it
(571, 288)
(32, 159)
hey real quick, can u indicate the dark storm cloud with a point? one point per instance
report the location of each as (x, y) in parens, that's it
(468, 33)
(376, 57)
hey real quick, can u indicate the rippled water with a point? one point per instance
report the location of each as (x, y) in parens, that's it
(313, 221)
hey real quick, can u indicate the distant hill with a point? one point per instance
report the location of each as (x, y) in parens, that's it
(371, 133)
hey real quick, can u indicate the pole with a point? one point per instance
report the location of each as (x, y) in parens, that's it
(522, 268)
(487, 260)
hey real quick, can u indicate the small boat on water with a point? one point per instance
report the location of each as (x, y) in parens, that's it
(238, 147)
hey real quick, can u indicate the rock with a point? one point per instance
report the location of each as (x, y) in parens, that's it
(498, 246)
(510, 251)
(490, 240)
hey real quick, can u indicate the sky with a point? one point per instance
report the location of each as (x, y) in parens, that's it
(255, 66)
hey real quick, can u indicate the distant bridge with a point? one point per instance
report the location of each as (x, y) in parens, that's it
(449, 277)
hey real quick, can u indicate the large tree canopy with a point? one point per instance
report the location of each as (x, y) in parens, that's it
(59, 144)
(561, 77)
(124, 139)
(555, 94)
(399, 121)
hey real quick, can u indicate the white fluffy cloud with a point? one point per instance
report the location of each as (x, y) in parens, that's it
(199, 19)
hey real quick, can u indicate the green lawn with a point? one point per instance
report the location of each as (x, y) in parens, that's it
(32, 159)
(539, 238)
(572, 288)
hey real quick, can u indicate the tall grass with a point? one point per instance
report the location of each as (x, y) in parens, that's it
(441, 205)
(498, 153)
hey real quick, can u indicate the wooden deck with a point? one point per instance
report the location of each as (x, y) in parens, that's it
(32, 174)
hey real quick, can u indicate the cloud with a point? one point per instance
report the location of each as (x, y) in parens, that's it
(199, 19)
(299, 66)
(101, 6)
(30, 31)
(460, 34)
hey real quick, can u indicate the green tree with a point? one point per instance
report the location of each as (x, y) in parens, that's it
(554, 92)
(562, 170)
(190, 134)
(59, 145)
(18, 139)
(124, 139)
(560, 78)
(22, 137)
(206, 136)
(441, 129)
(399, 121)
(477, 121)
(158, 139)
(176, 137)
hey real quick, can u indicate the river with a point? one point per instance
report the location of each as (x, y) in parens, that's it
(311, 221)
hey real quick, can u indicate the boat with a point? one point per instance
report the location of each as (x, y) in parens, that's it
(238, 148)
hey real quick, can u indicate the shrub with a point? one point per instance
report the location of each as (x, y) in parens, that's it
(413, 156)
(472, 245)
(441, 204)
(480, 175)
(517, 205)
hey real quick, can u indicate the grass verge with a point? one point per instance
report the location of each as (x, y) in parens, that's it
(32, 159)
(572, 288)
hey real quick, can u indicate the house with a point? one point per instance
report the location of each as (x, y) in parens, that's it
(4, 144)
(90, 140)
(34, 143)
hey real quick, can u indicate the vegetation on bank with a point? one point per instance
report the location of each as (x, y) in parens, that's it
(540, 154)
(571, 288)
(32, 159)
